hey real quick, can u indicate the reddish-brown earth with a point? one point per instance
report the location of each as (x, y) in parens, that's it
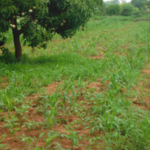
(13, 139)
(143, 100)
(3, 82)
(97, 57)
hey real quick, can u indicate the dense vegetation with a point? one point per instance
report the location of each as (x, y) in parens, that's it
(113, 9)
(135, 8)
(86, 92)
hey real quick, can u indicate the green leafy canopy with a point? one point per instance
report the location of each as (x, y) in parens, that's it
(139, 3)
(39, 20)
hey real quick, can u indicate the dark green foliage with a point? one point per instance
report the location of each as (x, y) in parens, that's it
(127, 9)
(7, 57)
(101, 10)
(113, 9)
(148, 4)
(136, 12)
(138, 3)
(2, 40)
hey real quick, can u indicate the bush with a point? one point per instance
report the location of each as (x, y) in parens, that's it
(6, 56)
(2, 40)
(101, 10)
(113, 9)
(136, 12)
(127, 9)
(145, 9)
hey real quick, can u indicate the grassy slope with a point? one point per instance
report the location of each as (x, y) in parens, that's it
(124, 47)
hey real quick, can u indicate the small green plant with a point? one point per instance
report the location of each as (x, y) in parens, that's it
(13, 124)
(3, 136)
(21, 110)
(28, 141)
(74, 137)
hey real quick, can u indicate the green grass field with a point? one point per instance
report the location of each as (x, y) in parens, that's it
(90, 92)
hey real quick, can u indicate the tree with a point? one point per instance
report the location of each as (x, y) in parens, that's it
(40, 20)
(101, 10)
(148, 4)
(138, 3)
(113, 9)
(127, 9)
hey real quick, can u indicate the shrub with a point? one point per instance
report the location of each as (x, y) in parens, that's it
(6, 56)
(127, 9)
(136, 11)
(2, 40)
(113, 9)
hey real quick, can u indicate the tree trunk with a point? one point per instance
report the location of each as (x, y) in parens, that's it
(16, 36)
(18, 50)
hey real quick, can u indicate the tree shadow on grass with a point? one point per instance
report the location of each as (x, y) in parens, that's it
(54, 59)
(61, 64)
(60, 58)
(66, 59)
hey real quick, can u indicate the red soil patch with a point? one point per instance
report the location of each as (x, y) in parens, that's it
(128, 28)
(14, 141)
(124, 47)
(97, 57)
(3, 82)
(146, 72)
(117, 53)
(57, 41)
(144, 101)
(79, 129)
(100, 48)
(32, 97)
(97, 86)
(50, 89)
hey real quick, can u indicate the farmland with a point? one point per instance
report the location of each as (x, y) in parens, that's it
(88, 92)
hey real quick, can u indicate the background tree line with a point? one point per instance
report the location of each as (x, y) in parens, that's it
(116, 7)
